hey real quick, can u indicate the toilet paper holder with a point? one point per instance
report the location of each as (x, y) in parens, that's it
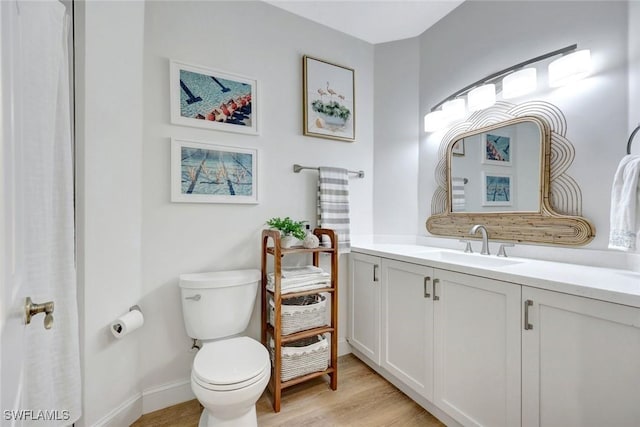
(118, 327)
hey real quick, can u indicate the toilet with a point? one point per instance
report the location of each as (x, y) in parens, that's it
(229, 372)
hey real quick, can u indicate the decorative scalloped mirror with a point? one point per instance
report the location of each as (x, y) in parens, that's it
(505, 169)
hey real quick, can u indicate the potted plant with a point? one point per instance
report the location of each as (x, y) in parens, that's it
(290, 230)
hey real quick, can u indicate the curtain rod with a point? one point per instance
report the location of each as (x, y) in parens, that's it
(297, 168)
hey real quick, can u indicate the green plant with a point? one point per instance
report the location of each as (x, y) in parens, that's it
(288, 226)
(331, 108)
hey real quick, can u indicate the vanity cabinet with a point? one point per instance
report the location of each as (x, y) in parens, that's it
(451, 337)
(477, 349)
(580, 361)
(364, 305)
(407, 324)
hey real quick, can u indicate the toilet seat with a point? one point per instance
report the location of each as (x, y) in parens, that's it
(231, 364)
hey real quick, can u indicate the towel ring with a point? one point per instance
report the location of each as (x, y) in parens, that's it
(633, 134)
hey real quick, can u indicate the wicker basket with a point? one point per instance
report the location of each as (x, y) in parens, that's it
(300, 313)
(303, 357)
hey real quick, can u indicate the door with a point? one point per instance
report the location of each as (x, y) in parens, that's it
(407, 324)
(12, 289)
(477, 349)
(39, 366)
(364, 305)
(580, 361)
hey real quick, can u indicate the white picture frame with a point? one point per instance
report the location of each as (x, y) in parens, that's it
(497, 189)
(497, 149)
(203, 172)
(212, 99)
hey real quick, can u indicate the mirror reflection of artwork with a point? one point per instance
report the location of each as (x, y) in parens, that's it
(458, 148)
(497, 190)
(521, 144)
(497, 149)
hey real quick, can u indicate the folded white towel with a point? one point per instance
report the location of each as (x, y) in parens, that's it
(624, 201)
(300, 271)
(298, 287)
(288, 282)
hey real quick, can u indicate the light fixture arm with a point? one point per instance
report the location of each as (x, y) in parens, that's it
(496, 75)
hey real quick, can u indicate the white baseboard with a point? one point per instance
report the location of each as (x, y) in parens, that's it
(343, 347)
(123, 415)
(166, 395)
(176, 392)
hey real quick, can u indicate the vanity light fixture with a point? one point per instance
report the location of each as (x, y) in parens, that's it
(454, 109)
(482, 97)
(481, 94)
(434, 120)
(519, 83)
(570, 68)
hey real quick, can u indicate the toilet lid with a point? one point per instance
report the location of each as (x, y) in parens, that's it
(230, 361)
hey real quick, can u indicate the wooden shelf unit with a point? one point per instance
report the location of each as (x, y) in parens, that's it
(275, 332)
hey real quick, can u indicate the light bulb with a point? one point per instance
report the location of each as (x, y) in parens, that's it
(570, 68)
(482, 97)
(519, 83)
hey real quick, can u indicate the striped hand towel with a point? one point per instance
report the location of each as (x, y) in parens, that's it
(457, 194)
(333, 204)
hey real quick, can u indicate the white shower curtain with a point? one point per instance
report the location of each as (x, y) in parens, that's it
(52, 362)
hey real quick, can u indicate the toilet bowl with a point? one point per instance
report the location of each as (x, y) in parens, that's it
(230, 372)
(228, 376)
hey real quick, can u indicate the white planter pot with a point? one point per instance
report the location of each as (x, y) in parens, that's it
(288, 241)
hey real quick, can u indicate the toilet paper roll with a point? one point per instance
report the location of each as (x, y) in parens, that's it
(127, 323)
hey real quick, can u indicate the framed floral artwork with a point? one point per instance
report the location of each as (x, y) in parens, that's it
(328, 100)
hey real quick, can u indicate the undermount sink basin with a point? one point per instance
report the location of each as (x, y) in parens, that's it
(474, 259)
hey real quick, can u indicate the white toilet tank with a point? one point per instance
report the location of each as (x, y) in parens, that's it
(218, 304)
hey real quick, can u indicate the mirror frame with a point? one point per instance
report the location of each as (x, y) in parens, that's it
(544, 226)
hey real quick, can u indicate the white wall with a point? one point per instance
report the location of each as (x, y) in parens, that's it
(479, 38)
(108, 207)
(634, 72)
(396, 139)
(266, 43)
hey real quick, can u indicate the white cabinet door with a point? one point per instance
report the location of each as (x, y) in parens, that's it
(407, 324)
(477, 349)
(581, 361)
(364, 305)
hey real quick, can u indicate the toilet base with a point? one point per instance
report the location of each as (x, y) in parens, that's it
(249, 419)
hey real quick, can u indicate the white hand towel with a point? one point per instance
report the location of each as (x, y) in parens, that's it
(624, 200)
(333, 204)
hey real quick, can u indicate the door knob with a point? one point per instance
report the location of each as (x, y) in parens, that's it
(31, 309)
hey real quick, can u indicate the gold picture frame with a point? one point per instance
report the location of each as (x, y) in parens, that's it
(328, 100)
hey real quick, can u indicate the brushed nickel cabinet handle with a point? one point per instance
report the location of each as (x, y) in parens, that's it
(375, 272)
(427, 279)
(195, 297)
(527, 326)
(435, 297)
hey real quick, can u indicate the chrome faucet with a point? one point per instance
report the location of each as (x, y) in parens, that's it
(485, 237)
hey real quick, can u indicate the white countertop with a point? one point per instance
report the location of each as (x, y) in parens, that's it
(606, 284)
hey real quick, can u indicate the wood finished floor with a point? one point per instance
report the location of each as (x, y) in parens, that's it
(363, 398)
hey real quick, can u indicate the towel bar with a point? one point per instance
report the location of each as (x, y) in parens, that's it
(633, 134)
(297, 168)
